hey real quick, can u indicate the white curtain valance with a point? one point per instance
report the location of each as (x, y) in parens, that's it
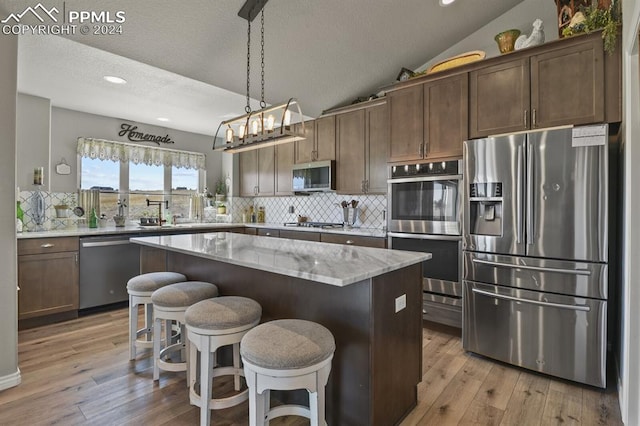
(126, 152)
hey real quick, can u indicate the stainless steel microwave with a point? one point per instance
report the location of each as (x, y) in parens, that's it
(314, 177)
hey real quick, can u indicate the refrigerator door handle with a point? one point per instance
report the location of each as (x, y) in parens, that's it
(530, 187)
(520, 188)
(584, 308)
(535, 268)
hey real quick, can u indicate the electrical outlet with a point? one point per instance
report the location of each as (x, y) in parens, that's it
(292, 209)
(401, 303)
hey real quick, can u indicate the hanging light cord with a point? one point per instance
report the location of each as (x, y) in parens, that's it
(263, 104)
(248, 107)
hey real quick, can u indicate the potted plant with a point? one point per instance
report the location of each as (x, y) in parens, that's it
(593, 18)
(221, 191)
(222, 209)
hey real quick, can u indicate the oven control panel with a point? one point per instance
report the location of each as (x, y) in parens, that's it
(427, 169)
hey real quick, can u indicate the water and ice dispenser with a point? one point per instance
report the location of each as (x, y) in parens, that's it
(485, 208)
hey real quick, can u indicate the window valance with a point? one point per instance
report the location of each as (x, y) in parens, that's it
(126, 152)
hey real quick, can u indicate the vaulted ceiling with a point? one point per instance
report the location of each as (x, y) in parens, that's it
(186, 60)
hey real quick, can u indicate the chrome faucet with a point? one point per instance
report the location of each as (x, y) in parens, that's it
(159, 204)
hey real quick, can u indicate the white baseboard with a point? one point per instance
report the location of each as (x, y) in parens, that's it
(10, 380)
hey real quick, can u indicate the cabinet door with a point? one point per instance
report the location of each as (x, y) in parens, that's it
(248, 173)
(377, 153)
(405, 121)
(567, 85)
(284, 166)
(446, 117)
(304, 149)
(266, 170)
(499, 99)
(325, 139)
(48, 284)
(351, 152)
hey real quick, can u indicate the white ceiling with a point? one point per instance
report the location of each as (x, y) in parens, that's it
(186, 60)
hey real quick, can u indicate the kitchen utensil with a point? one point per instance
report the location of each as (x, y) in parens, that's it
(344, 204)
(354, 203)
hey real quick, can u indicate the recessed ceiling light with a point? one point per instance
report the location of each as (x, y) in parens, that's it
(162, 119)
(446, 2)
(115, 80)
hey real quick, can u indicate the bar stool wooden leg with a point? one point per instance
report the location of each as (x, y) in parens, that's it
(157, 330)
(206, 365)
(133, 329)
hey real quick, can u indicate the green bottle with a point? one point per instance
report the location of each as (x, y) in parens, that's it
(93, 219)
(19, 217)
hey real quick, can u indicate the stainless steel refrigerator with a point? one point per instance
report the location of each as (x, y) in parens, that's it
(535, 240)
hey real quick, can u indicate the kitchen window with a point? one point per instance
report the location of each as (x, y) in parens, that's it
(134, 172)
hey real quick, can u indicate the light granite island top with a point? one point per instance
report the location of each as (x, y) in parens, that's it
(369, 298)
(334, 264)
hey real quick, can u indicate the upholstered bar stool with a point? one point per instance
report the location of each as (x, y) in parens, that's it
(170, 303)
(140, 289)
(286, 355)
(211, 324)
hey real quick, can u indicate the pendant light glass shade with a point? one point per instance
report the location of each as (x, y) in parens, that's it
(273, 125)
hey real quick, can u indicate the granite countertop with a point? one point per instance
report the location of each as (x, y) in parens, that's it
(334, 264)
(137, 229)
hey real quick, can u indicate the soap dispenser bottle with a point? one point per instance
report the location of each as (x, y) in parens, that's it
(93, 219)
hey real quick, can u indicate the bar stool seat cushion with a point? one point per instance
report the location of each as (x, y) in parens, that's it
(223, 313)
(183, 294)
(287, 344)
(152, 281)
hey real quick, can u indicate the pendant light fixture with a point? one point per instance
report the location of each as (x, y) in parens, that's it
(273, 125)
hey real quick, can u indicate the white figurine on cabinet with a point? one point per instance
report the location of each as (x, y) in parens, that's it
(536, 37)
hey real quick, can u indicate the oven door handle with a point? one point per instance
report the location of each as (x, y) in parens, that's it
(534, 268)
(584, 308)
(425, 178)
(425, 236)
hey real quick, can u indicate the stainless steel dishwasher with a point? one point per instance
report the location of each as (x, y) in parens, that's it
(106, 264)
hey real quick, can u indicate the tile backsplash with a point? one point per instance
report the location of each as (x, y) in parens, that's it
(319, 207)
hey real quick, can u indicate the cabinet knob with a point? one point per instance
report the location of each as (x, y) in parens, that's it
(349, 242)
(47, 245)
(268, 234)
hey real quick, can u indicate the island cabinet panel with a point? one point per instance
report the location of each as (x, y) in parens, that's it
(499, 98)
(446, 117)
(48, 280)
(377, 362)
(405, 124)
(300, 235)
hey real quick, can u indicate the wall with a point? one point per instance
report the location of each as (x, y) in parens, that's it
(9, 373)
(629, 375)
(520, 17)
(68, 125)
(33, 130)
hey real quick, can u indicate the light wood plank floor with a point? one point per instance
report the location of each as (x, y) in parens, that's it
(78, 373)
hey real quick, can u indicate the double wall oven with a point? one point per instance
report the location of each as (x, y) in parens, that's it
(424, 202)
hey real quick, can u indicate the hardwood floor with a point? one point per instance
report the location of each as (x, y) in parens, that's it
(78, 373)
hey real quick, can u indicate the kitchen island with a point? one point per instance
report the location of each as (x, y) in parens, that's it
(370, 299)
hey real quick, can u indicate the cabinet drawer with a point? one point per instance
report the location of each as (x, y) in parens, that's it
(300, 235)
(266, 232)
(47, 245)
(251, 231)
(355, 240)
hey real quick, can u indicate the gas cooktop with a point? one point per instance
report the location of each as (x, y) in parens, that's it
(315, 224)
